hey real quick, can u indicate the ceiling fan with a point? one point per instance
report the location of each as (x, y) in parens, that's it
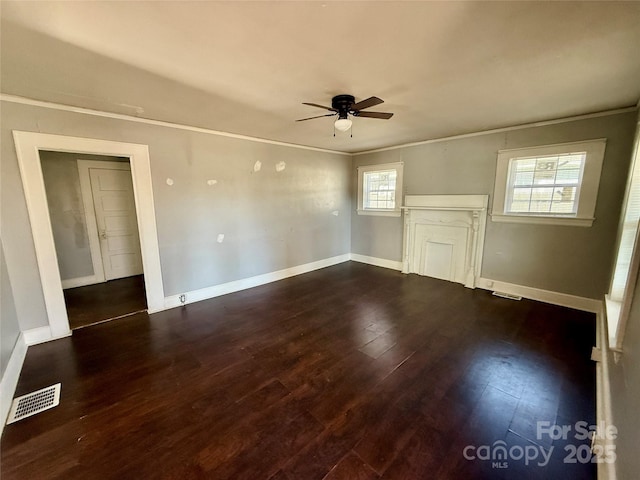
(345, 105)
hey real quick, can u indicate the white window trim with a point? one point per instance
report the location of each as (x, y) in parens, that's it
(397, 211)
(588, 188)
(618, 309)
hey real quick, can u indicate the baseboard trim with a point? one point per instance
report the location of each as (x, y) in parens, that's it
(10, 378)
(35, 336)
(555, 298)
(79, 282)
(378, 262)
(604, 412)
(238, 285)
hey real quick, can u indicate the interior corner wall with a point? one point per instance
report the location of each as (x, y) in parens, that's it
(9, 327)
(248, 222)
(565, 259)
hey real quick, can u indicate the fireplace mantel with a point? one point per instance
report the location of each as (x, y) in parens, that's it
(455, 224)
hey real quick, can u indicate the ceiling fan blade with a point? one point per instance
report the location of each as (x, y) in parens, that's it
(369, 102)
(319, 106)
(382, 115)
(319, 116)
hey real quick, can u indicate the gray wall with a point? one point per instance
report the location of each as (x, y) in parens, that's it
(573, 260)
(66, 210)
(625, 394)
(270, 220)
(9, 327)
(625, 391)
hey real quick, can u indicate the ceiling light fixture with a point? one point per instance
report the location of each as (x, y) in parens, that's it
(343, 124)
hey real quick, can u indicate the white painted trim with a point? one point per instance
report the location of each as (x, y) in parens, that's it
(396, 212)
(81, 281)
(547, 220)
(446, 202)
(466, 211)
(587, 187)
(10, 378)
(378, 262)
(543, 123)
(550, 148)
(380, 213)
(28, 145)
(119, 116)
(604, 412)
(235, 286)
(36, 336)
(618, 325)
(99, 113)
(546, 296)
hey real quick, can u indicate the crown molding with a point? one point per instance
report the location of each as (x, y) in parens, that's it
(543, 123)
(119, 116)
(129, 118)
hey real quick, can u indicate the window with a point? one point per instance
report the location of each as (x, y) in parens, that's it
(556, 184)
(625, 274)
(380, 189)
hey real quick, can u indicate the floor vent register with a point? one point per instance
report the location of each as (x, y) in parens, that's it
(34, 402)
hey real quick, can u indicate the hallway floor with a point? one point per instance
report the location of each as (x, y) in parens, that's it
(104, 301)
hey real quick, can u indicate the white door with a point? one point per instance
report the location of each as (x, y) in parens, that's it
(115, 210)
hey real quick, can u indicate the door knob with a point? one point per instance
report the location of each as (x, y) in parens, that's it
(103, 234)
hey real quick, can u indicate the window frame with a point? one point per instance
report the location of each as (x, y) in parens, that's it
(586, 192)
(618, 304)
(388, 212)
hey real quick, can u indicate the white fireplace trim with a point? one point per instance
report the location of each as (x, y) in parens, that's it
(417, 209)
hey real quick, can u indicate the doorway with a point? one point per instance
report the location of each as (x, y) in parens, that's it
(28, 148)
(93, 219)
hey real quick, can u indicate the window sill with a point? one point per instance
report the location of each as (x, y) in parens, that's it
(380, 213)
(566, 221)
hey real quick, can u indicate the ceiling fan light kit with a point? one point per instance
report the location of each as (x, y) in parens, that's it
(343, 124)
(344, 105)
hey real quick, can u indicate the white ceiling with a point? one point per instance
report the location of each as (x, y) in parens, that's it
(443, 68)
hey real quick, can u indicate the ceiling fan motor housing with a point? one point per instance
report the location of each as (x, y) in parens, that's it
(342, 103)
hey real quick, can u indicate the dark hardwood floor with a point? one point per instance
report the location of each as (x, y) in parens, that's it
(103, 301)
(350, 372)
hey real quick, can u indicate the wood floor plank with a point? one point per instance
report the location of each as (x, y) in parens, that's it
(351, 467)
(347, 372)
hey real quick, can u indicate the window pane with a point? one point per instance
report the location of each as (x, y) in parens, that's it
(525, 164)
(571, 161)
(521, 194)
(544, 177)
(519, 207)
(568, 176)
(379, 188)
(524, 178)
(546, 171)
(540, 194)
(562, 207)
(520, 200)
(545, 185)
(541, 200)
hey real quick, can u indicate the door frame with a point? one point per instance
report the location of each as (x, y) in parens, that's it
(28, 147)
